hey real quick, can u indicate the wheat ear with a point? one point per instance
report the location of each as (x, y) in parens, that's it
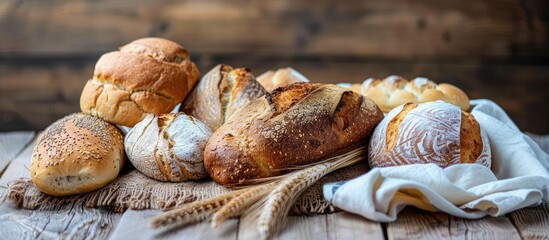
(195, 211)
(283, 196)
(237, 205)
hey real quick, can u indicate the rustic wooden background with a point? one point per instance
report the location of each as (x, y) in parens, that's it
(496, 49)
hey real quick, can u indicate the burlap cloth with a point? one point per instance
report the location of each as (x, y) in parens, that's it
(134, 190)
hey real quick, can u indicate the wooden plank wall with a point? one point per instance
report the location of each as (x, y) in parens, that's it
(496, 49)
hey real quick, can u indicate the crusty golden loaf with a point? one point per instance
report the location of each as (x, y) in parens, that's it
(433, 132)
(298, 124)
(149, 75)
(220, 93)
(79, 153)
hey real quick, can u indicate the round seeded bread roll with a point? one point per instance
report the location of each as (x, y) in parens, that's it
(149, 75)
(77, 154)
(433, 132)
(394, 91)
(169, 147)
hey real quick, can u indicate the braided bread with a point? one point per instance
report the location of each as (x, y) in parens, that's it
(394, 91)
(149, 75)
(298, 124)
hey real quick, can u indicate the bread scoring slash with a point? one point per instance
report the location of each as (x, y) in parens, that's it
(295, 125)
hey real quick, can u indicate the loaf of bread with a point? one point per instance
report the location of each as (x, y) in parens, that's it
(220, 93)
(149, 75)
(433, 132)
(394, 91)
(77, 154)
(298, 124)
(271, 80)
(169, 147)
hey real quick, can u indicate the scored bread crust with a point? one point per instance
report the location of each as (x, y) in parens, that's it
(394, 91)
(221, 92)
(298, 124)
(149, 75)
(433, 132)
(76, 154)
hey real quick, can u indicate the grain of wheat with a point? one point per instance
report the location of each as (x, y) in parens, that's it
(194, 211)
(238, 204)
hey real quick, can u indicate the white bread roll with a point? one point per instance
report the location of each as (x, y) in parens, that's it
(169, 147)
(79, 153)
(271, 80)
(433, 132)
(394, 91)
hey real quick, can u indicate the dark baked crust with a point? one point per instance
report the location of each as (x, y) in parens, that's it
(295, 125)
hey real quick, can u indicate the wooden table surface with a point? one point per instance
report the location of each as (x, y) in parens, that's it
(73, 221)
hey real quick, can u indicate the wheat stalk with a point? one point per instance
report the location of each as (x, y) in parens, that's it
(238, 204)
(195, 211)
(269, 206)
(186, 220)
(278, 203)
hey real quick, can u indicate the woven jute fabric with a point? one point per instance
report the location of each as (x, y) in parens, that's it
(133, 190)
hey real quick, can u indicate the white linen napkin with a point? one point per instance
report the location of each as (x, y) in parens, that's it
(519, 178)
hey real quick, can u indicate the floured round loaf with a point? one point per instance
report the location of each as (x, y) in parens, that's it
(433, 132)
(394, 91)
(298, 124)
(169, 147)
(149, 75)
(76, 154)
